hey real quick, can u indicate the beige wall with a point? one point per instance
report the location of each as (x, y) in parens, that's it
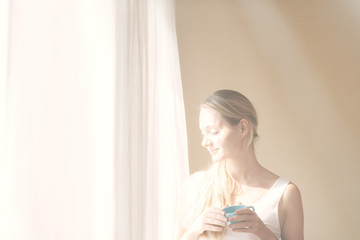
(299, 63)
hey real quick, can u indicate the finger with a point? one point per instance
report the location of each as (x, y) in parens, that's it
(216, 215)
(242, 218)
(244, 211)
(243, 229)
(216, 210)
(214, 222)
(240, 226)
(213, 228)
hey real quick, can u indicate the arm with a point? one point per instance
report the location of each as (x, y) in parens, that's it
(181, 232)
(212, 219)
(249, 222)
(290, 215)
(291, 210)
(188, 235)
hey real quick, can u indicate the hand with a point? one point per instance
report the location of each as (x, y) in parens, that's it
(213, 219)
(248, 221)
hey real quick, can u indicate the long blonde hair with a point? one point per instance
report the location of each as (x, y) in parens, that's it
(218, 184)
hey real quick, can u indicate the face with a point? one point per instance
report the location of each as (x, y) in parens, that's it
(222, 140)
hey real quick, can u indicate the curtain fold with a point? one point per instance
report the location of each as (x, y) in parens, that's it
(151, 156)
(4, 175)
(92, 125)
(58, 165)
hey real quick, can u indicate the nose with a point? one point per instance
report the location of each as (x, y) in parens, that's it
(205, 141)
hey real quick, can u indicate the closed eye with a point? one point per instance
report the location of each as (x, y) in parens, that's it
(214, 131)
(211, 132)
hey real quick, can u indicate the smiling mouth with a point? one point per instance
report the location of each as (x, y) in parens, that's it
(212, 151)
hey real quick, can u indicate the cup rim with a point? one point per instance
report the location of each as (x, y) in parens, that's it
(239, 206)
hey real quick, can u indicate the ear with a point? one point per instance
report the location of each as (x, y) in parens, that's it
(244, 127)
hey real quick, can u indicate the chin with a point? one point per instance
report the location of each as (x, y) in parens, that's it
(217, 158)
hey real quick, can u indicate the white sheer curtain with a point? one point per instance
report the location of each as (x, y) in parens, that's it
(92, 127)
(151, 140)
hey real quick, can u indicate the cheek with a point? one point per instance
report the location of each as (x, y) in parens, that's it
(232, 142)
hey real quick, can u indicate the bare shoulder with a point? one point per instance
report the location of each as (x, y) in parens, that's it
(194, 180)
(188, 195)
(292, 193)
(192, 186)
(290, 201)
(291, 214)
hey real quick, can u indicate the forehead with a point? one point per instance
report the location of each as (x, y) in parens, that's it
(209, 118)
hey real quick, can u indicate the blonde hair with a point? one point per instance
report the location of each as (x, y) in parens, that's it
(218, 184)
(232, 107)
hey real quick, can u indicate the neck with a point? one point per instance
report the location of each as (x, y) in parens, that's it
(245, 167)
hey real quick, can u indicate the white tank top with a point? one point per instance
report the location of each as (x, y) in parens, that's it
(267, 209)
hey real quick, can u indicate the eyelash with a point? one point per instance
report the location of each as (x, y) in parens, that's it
(212, 133)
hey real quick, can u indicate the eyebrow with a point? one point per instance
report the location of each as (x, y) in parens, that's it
(209, 127)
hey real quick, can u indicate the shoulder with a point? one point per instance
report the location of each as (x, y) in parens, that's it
(291, 210)
(291, 213)
(194, 180)
(292, 194)
(191, 193)
(197, 176)
(192, 187)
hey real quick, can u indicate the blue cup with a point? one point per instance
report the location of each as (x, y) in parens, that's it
(230, 211)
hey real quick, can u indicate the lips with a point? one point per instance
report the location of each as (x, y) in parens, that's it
(213, 151)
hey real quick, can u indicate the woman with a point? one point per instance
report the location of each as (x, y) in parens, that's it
(228, 123)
